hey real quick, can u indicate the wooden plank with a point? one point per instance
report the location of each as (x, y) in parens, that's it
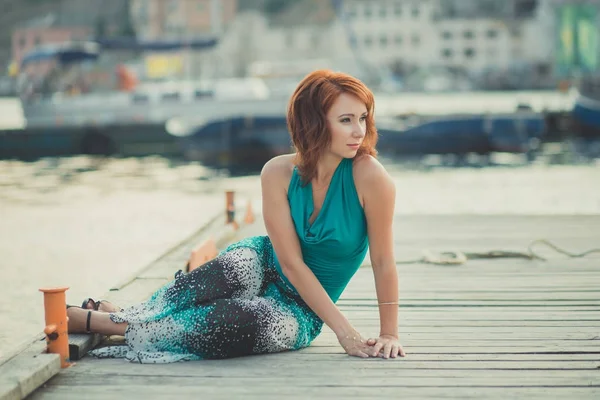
(417, 348)
(561, 313)
(290, 392)
(310, 377)
(330, 341)
(488, 336)
(469, 331)
(318, 354)
(334, 348)
(526, 294)
(81, 343)
(293, 362)
(324, 364)
(414, 314)
(477, 311)
(463, 308)
(565, 346)
(407, 282)
(409, 323)
(412, 340)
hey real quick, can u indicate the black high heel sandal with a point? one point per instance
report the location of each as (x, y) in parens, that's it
(96, 304)
(95, 307)
(87, 323)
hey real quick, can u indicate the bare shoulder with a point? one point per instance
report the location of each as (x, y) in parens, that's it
(371, 179)
(278, 170)
(369, 172)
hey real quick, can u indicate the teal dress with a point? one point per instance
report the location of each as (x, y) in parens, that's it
(335, 244)
(241, 303)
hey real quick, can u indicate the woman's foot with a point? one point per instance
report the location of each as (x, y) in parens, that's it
(99, 305)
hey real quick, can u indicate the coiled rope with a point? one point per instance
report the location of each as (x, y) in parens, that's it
(459, 257)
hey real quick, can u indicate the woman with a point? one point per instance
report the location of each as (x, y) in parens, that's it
(322, 208)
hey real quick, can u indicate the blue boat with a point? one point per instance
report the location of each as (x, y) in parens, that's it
(460, 135)
(585, 118)
(245, 144)
(586, 113)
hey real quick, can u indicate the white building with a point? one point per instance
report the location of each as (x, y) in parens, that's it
(393, 31)
(473, 44)
(417, 33)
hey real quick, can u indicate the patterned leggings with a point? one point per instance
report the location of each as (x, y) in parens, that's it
(232, 306)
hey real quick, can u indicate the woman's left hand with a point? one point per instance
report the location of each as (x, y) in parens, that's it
(387, 346)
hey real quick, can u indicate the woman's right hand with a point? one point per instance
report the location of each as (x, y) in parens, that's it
(355, 345)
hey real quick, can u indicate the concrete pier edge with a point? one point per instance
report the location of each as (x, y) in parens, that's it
(29, 366)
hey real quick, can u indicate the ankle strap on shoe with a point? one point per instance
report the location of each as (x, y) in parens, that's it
(87, 324)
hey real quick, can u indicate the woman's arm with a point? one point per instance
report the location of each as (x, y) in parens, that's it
(280, 228)
(379, 202)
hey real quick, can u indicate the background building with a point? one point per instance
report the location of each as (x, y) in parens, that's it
(181, 18)
(489, 43)
(488, 40)
(454, 33)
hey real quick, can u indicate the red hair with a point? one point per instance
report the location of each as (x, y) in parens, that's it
(307, 111)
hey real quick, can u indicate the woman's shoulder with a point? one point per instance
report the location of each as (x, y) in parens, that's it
(278, 169)
(370, 178)
(367, 168)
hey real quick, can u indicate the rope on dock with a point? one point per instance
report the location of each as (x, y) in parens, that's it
(459, 257)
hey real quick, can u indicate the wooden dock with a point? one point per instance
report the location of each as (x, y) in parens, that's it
(500, 328)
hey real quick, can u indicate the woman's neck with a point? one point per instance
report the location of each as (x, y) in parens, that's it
(326, 168)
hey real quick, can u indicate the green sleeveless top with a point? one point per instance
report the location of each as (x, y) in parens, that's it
(334, 246)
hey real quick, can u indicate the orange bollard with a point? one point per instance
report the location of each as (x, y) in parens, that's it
(57, 337)
(249, 217)
(229, 207)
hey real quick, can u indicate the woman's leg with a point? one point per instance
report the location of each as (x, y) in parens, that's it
(238, 273)
(221, 329)
(100, 322)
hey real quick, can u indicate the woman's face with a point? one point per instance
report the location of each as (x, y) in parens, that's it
(347, 121)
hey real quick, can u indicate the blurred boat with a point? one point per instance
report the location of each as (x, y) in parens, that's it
(244, 144)
(586, 116)
(241, 144)
(520, 132)
(63, 115)
(586, 112)
(585, 121)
